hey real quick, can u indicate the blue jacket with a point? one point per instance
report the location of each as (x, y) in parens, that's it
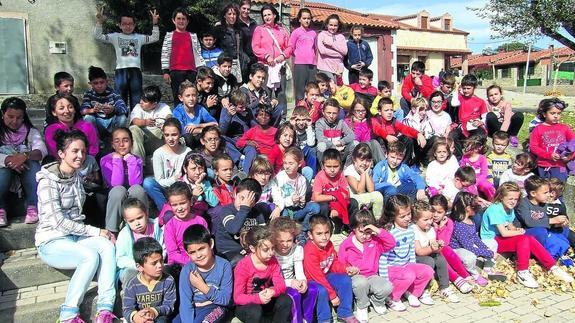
(125, 245)
(405, 173)
(358, 52)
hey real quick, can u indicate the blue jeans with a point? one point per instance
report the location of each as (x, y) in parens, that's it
(342, 285)
(310, 156)
(155, 191)
(28, 179)
(405, 188)
(556, 243)
(553, 172)
(88, 256)
(105, 126)
(128, 83)
(232, 150)
(250, 154)
(303, 214)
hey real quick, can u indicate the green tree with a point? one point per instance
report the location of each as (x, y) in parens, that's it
(528, 18)
(515, 45)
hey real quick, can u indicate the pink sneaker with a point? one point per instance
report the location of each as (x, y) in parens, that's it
(75, 319)
(104, 316)
(31, 215)
(480, 280)
(3, 219)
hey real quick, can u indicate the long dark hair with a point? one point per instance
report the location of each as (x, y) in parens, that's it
(16, 104)
(225, 10)
(72, 99)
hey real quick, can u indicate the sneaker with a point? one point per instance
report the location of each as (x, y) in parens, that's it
(397, 306)
(495, 275)
(351, 319)
(448, 294)
(31, 215)
(104, 316)
(413, 301)
(566, 261)
(379, 309)
(480, 280)
(362, 315)
(426, 299)
(525, 278)
(463, 286)
(514, 141)
(75, 319)
(3, 218)
(561, 274)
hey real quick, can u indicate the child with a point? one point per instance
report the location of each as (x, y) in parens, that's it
(194, 173)
(343, 94)
(358, 56)
(151, 295)
(331, 48)
(471, 114)
(448, 90)
(383, 91)
(210, 53)
(303, 42)
(331, 191)
(128, 48)
(556, 207)
(463, 180)
(123, 175)
(259, 94)
(21, 151)
(363, 87)
(332, 133)
(224, 187)
(235, 219)
(393, 176)
(359, 121)
(358, 175)
(321, 266)
(362, 250)
(284, 139)
(428, 249)
(500, 235)
(398, 265)
(520, 171)
(305, 135)
(498, 161)
(206, 282)
(64, 84)
(312, 101)
(101, 106)
(414, 85)
(181, 203)
(439, 120)
(225, 81)
(235, 120)
(259, 288)
(442, 167)
(547, 136)
(289, 190)
(323, 82)
(211, 145)
(138, 226)
(290, 258)
(146, 121)
(417, 119)
(167, 161)
(207, 92)
(180, 53)
(474, 156)
(262, 171)
(259, 139)
(500, 116)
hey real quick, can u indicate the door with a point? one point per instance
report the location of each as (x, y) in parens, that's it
(13, 62)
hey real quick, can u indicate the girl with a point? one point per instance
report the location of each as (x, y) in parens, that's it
(474, 155)
(359, 121)
(167, 161)
(290, 257)
(500, 235)
(362, 249)
(259, 288)
(442, 167)
(285, 138)
(331, 48)
(358, 175)
(302, 40)
(500, 115)
(212, 143)
(262, 172)
(399, 264)
(21, 150)
(64, 107)
(123, 175)
(520, 171)
(547, 136)
(439, 120)
(194, 173)
(62, 233)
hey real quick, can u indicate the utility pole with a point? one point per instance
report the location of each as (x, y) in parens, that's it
(527, 68)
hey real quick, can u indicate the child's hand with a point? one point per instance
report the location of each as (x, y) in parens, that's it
(150, 122)
(274, 102)
(275, 213)
(417, 81)
(434, 246)
(391, 138)
(143, 316)
(372, 229)
(477, 123)
(196, 279)
(249, 199)
(335, 302)
(420, 195)
(333, 214)
(198, 190)
(155, 17)
(421, 140)
(352, 270)
(108, 108)
(560, 220)
(190, 128)
(167, 78)
(266, 296)
(100, 16)
(212, 100)
(555, 156)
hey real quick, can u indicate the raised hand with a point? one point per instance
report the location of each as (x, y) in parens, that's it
(155, 17)
(100, 16)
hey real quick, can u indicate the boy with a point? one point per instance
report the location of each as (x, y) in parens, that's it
(498, 160)
(207, 93)
(206, 282)
(236, 219)
(128, 47)
(101, 106)
(258, 93)
(225, 81)
(312, 100)
(323, 81)
(210, 52)
(415, 84)
(331, 132)
(64, 84)
(321, 265)
(235, 120)
(383, 91)
(259, 139)
(150, 296)
(146, 122)
(224, 186)
(556, 207)
(305, 135)
(331, 191)
(358, 56)
(180, 53)
(463, 180)
(450, 96)
(392, 176)
(363, 87)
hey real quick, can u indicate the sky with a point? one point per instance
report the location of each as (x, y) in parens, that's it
(464, 19)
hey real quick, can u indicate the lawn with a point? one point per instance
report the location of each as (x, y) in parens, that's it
(566, 117)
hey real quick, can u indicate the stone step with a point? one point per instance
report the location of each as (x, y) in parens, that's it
(17, 235)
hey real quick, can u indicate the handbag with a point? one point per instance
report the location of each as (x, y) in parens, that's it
(286, 65)
(236, 67)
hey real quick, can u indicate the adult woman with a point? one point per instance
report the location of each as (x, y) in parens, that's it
(230, 38)
(271, 46)
(62, 238)
(331, 47)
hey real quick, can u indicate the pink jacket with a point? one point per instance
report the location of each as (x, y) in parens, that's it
(84, 126)
(330, 58)
(263, 44)
(302, 42)
(368, 260)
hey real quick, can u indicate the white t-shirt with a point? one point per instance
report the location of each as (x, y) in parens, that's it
(351, 171)
(424, 237)
(292, 264)
(162, 111)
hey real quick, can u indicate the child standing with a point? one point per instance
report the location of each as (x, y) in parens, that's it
(498, 161)
(302, 40)
(361, 186)
(359, 121)
(474, 150)
(471, 114)
(331, 48)
(259, 288)
(500, 116)
(210, 52)
(362, 249)
(331, 132)
(358, 56)
(441, 170)
(520, 171)
(399, 265)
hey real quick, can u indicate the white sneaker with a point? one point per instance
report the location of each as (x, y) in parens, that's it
(561, 274)
(396, 305)
(412, 300)
(379, 309)
(362, 315)
(426, 299)
(525, 278)
(449, 295)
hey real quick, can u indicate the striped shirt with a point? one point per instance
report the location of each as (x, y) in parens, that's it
(402, 254)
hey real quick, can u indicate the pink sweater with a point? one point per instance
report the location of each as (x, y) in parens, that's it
(361, 129)
(249, 281)
(445, 232)
(263, 44)
(84, 126)
(330, 58)
(544, 141)
(302, 41)
(367, 260)
(174, 238)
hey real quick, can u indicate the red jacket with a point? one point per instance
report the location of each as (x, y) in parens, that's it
(318, 262)
(383, 128)
(264, 139)
(370, 90)
(314, 110)
(224, 195)
(425, 89)
(470, 108)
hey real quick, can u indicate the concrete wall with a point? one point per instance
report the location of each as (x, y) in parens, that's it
(63, 21)
(424, 39)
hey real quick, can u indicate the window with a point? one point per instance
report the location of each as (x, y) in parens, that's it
(505, 72)
(521, 71)
(424, 22)
(447, 24)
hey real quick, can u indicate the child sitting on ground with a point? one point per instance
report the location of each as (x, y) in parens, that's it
(225, 81)
(259, 139)
(501, 116)
(361, 186)
(555, 207)
(64, 84)
(474, 156)
(439, 120)
(224, 185)
(259, 94)
(383, 91)
(235, 120)
(499, 161)
(416, 84)
(305, 136)
(363, 87)
(312, 102)
(359, 121)
(332, 132)
(520, 171)
(442, 167)
(417, 119)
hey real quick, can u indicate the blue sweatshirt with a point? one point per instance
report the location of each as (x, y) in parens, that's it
(229, 224)
(405, 173)
(201, 115)
(358, 52)
(160, 297)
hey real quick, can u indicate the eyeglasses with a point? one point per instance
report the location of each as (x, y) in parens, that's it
(212, 139)
(436, 102)
(360, 111)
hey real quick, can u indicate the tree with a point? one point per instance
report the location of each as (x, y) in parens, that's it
(529, 18)
(512, 46)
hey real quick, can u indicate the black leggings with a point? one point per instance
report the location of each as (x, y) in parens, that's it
(493, 124)
(278, 310)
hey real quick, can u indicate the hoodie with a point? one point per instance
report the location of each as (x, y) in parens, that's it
(60, 201)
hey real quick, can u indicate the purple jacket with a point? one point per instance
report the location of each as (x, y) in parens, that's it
(114, 174)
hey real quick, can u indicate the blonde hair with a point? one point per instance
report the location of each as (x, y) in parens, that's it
(420, 103)
(261, 164)
(504, 189)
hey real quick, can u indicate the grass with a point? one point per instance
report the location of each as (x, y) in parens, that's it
(566, 118)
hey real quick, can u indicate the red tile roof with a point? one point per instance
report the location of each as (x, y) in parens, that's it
(513, 57)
